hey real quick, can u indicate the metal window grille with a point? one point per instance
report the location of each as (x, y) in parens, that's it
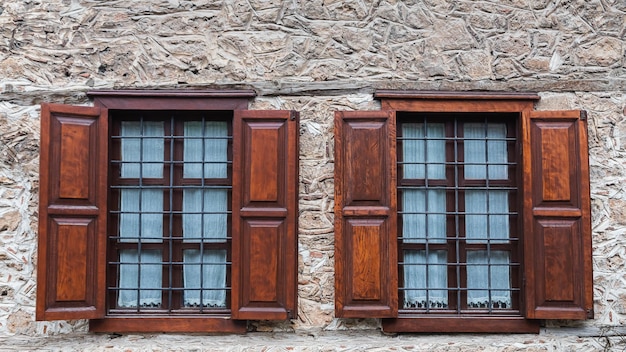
(441, 241)
(158, 260)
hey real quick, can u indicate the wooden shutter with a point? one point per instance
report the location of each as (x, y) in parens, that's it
(72, 212)
(265, 210)
(366, 279)
(557, 224)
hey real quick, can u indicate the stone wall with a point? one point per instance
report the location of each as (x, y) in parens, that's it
(316, 57)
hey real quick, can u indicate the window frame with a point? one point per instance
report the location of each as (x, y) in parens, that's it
(456, 186)
(177, 244)
(365, 219)
(84, 213)
(161, 101)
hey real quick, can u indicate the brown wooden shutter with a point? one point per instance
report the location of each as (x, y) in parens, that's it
(366, 279)
(557, 223)
(265, 210)
(72, 212)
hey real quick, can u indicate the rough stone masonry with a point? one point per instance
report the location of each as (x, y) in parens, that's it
(314, 56)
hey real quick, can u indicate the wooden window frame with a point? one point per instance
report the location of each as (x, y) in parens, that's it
(554, 217)
(72, 277)
(457, 184)
(177, 243)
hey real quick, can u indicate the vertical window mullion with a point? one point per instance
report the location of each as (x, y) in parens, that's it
(141, 140)
(457, 227)
(426, 242)
(170, 234)
(229, 218)
(202, 183)
(489, 292)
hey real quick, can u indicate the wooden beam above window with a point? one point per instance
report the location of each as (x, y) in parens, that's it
(453, 101)
(172, 99)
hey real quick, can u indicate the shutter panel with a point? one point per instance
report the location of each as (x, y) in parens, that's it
(72, 212)
(366, 279)
(557, 222)
(265, 210)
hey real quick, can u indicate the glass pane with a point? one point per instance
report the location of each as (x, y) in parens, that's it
(488, 280)
(425, 279)
(136, 220)
(485, 224)
(428, 147)
(210, 151)
(142, 150)
(140, 283)
(205, 225)
(485, 151)
(424, 216)
(211, 284)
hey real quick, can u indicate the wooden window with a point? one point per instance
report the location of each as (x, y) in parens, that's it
(170, 186)
(458, 246)
(167, 211)
(420, 243)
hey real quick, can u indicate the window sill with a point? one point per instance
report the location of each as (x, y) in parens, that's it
(186, 324)
(474, 324)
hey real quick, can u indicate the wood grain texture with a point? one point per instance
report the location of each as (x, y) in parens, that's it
(556, 216)
(265, 210)
(72, 223)
(366, 278)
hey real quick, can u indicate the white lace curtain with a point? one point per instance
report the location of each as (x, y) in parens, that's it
(424, 219)
(205, 218)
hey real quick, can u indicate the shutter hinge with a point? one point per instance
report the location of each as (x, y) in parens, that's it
(583, 115)
(293, 116)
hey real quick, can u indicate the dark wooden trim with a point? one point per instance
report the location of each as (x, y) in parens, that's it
(482, 324)
(435, 101)
(456, 95)
(187, 324)
(366, 274)
(556, 216)
(265, 215)
(172, 99)
(72, 213)
(177, 93)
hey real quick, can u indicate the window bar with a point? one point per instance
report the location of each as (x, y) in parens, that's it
(489, 292)
(206, 212)
(177, 162)
(202, 216)
(456, 217)
(171, 217)
(477, 188)
(173, 187)
(488, 230)
(427, 247)
(141, 135)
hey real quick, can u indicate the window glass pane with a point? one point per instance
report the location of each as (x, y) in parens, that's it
(141, 215)
(489, 149)
(205, 217)
(143, 150)
(205, 278)
(423, 144)
(425, 279)
(140, 278)
(488, 279)
(486, 216)
(208, 148)
(424, 216)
